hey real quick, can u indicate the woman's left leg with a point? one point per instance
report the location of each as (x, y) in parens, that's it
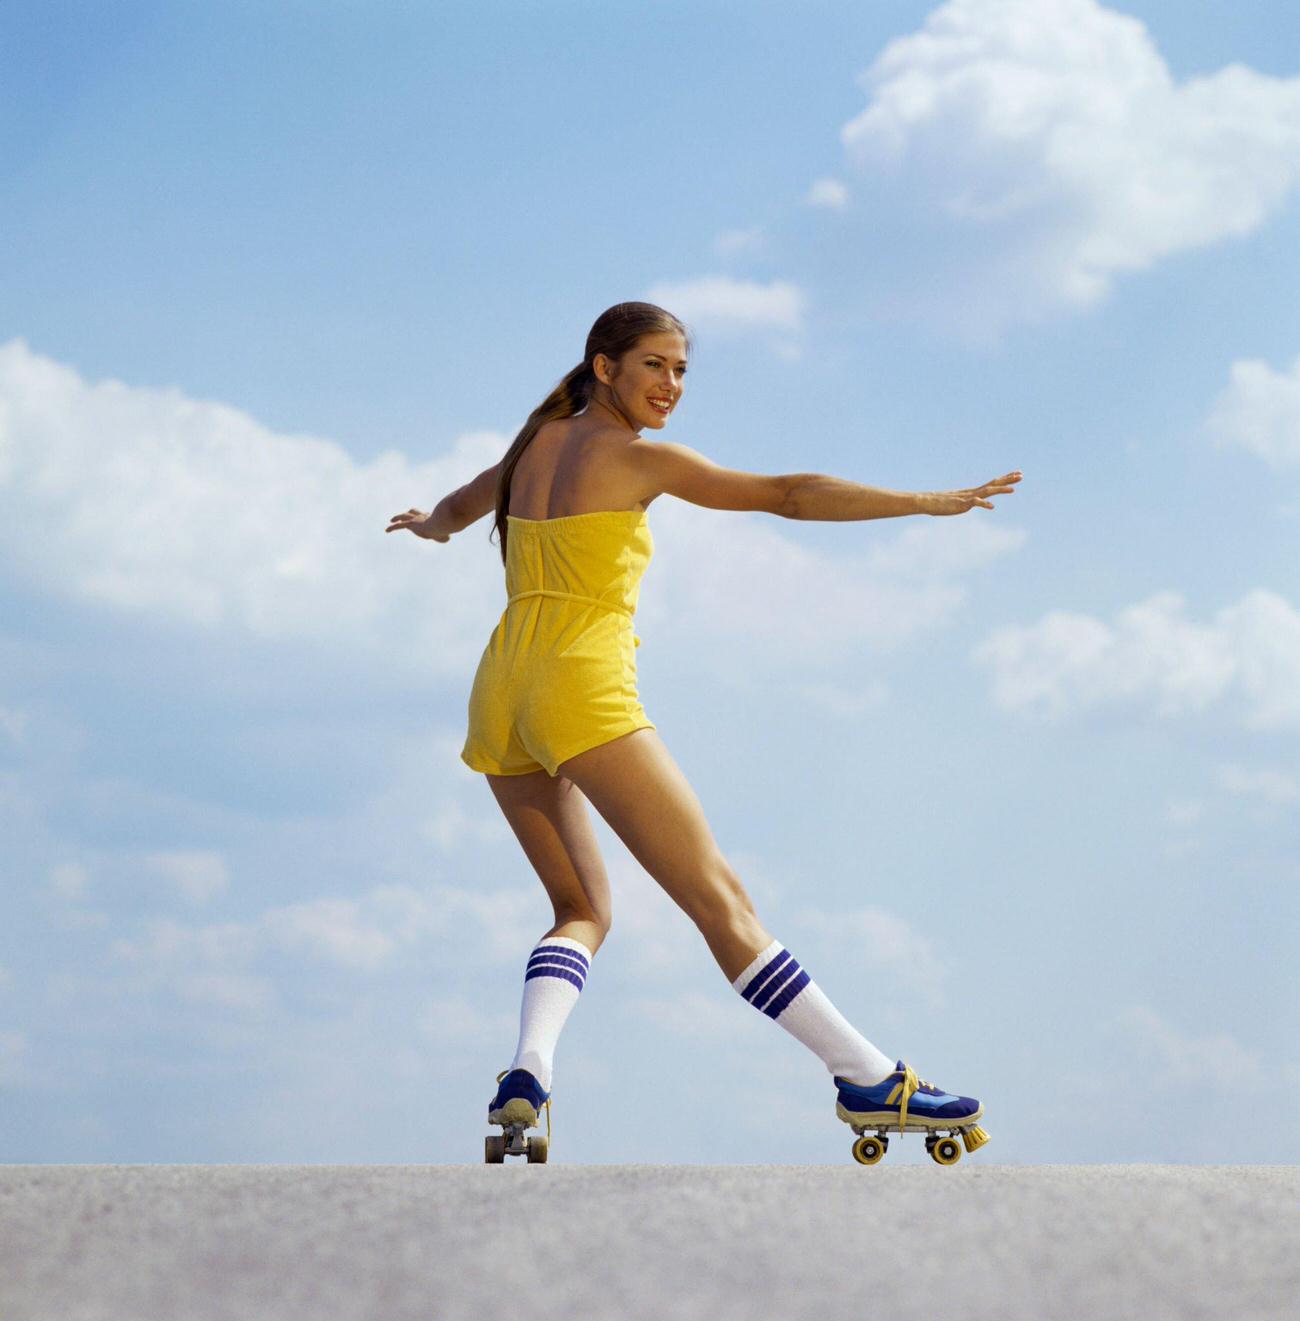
(550, 819)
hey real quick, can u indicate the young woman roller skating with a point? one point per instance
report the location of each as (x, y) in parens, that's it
(555, 721)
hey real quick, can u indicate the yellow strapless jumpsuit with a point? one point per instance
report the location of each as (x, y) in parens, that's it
(558, 675)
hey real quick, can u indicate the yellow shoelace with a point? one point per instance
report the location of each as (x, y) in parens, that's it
(910, 1084)
(546, 1103)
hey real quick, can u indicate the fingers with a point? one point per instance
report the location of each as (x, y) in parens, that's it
(403, 520)
(1001, 485)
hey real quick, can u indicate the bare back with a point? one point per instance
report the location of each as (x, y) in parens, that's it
(575, 465)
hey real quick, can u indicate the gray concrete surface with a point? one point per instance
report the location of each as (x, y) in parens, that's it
(978, 1240)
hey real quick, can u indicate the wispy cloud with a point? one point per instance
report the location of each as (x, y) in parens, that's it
(197, 874)
(729, 306)
(216, 961)
(740, 242)
(829, 193)
(882, 942)
(889, 587)
(1274, 788)
(1176, 1058)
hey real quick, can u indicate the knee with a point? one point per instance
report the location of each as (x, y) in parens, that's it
(724, 903)
(596, 920)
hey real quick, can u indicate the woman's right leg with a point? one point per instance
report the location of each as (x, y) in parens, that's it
(641, 792)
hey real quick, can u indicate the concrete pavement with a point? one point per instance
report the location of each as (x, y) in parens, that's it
(328, 1242)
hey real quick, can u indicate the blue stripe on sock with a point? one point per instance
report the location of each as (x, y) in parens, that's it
(534, 964)
(761, 999)
(562, 949)
(763, 974)
(548, 971)
(792, 989)
(547, 956)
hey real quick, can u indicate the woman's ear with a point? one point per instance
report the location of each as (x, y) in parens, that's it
(602, 367)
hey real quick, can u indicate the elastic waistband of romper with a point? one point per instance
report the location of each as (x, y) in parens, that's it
(572, 596)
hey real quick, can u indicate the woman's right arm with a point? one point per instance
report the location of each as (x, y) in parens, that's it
(672, 469)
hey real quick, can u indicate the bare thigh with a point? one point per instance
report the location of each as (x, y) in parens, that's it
(637, 787)
(552, 824)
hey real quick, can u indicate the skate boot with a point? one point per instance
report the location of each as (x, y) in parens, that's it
(904, 1103)
(515, 1107)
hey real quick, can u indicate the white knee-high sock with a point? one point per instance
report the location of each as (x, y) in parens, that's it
(553, 980)
(775, 983)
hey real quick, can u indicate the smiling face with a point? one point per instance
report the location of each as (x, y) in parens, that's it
(645, 385)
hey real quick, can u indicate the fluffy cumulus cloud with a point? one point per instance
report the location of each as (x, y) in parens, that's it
(1259, 411)
(1050, 143)
(1154, 657)
(152, 503)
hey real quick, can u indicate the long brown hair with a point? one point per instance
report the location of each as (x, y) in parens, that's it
(614, 332)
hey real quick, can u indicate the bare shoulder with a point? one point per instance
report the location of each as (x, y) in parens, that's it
(666, 467)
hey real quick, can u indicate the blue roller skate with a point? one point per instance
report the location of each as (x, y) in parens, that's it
(519, 1097)
(907, 1104)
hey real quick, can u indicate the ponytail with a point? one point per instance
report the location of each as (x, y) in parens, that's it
(567, 400)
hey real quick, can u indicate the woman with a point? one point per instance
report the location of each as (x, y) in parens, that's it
(555, 722)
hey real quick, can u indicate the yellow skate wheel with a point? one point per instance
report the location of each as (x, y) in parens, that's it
(946, 1151)
(495, 1152)
(537, 1150)
(868, 1150)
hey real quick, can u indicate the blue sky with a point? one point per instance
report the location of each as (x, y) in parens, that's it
(1019, 788)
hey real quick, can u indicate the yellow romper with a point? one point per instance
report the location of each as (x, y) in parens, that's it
(558, 675)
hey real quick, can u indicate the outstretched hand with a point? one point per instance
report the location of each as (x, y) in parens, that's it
(417, 522)
(958, 502)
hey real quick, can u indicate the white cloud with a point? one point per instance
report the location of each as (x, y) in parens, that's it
(1051, 138)
(13, 1050)
(69, 880)
(727, 306)
(882, 942)
(739, 242)
(828, 193)
(447, 824)
(153, 503)
(844, 703)
(650, 935)
(454, 1020)
(1184, 812)
(888, 587)
(1068, 663)
(1259, 411)
(334, 929)
(1179, 1059)
(1272, 786)
(13, 722)
(198, 874)
(691, 1014)
(214, 962)
(204, 546)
